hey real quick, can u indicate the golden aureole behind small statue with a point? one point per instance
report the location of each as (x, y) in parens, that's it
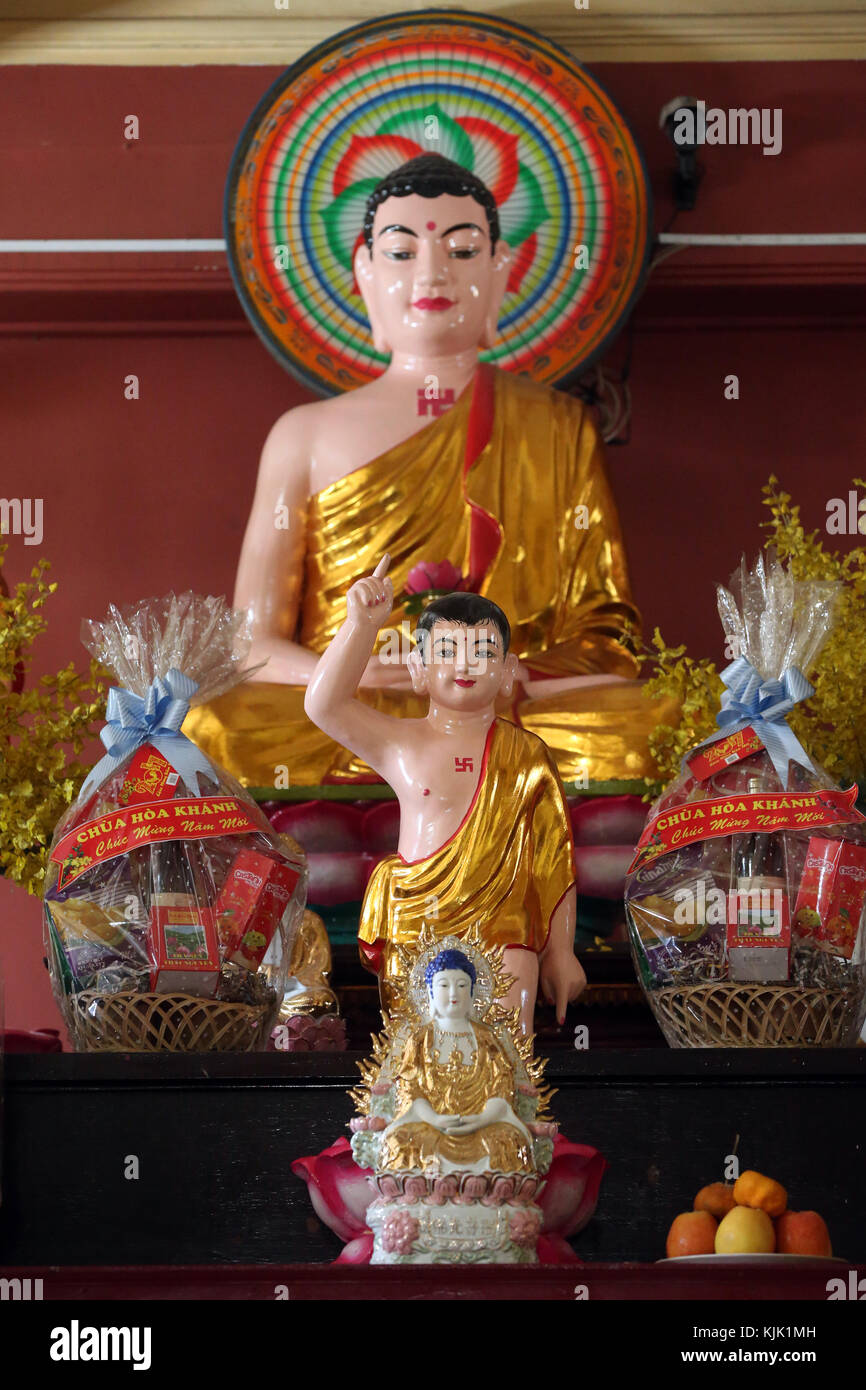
(453, 1117)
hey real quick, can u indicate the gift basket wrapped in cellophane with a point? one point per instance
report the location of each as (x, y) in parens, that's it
(170, 904)
(745, 898)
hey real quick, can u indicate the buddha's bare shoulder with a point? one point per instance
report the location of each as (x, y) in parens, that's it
(316, 421)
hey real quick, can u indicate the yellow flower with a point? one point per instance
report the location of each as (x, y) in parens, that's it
(41, 726)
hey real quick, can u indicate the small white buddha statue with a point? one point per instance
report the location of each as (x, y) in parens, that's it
(452, 1121)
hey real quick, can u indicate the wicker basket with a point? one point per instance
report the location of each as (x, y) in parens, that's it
(732, 1015)
(130, 1022)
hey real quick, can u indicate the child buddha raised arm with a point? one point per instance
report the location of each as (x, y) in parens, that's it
(485, 836)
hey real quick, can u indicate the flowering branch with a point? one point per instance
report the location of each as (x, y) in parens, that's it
(39, 728)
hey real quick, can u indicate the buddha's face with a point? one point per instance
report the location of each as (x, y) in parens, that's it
(451, 993)
(430, 285)
(464, 667)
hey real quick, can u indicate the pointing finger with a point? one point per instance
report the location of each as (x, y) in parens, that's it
(561, 1000)
(382, 568)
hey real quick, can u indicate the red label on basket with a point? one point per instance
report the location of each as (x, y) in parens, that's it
(767, 811)
(118, 833)
(715, 756)
(149, 777)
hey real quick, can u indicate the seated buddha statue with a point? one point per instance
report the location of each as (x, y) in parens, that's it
(442, 458)
(451, 1087)
(453, 1121)
(454, 1087)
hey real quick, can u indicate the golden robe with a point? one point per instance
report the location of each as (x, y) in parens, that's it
(455, 1087)
(505, 869)
(497, 485)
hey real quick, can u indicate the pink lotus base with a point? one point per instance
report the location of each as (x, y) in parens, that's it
(341, 1192)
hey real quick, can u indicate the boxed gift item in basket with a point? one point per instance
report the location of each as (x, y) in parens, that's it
(170, 902)
(745, 898)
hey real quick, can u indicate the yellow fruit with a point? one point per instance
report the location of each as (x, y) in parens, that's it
(745, 1231)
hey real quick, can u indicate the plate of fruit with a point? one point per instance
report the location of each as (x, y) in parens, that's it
(750, 1221)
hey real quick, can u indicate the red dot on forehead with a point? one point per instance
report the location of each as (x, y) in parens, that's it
(431, 226)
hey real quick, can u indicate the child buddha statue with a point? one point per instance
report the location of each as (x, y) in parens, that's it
(485, 835)
(441, 458)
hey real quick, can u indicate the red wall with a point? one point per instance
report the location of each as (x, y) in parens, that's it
(143, 496)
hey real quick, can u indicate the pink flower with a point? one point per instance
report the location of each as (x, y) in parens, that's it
(444, 1190)
(524, 1227)
(542, 1129)
(472, 1190)
(500, 1193)
(526, 1191)
(361, 1124)
(570, 1192)
(439, 574)
(340, 1191)
(358, 1251)
(302, 1034)
(414, 1190)
(399, 1233)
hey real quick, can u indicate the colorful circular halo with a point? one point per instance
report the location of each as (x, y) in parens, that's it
(566, 172)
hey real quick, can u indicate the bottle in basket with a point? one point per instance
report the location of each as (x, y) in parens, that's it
(759, 927)
(182, 929)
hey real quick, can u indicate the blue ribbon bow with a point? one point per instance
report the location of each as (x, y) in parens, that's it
(750, 701)
(156, 718)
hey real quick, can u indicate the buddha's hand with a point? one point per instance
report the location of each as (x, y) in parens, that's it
(458, 1124)
(369, 601)
(562, 980)
(496, 1111)
(419, 1111)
